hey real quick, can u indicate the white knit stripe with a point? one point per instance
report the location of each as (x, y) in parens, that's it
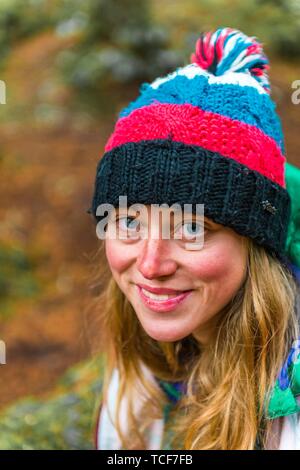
(290, 435)
(230, 44)
(237, 78)
(229, 78)
(189, 71)
(107, 436)
(155, 435)
(232, 41)
(214, 37)
(238, 63)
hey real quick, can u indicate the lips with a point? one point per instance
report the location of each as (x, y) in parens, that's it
(162, 301)
(162, 290)
(150, 295)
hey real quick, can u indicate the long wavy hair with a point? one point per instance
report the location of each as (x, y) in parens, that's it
(228, 380)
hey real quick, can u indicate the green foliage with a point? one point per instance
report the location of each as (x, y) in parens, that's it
(115, 15)
(276, 23)
(17, 280)
(132, 43)
(282, 26)
(66, 420)
(118, 44)
(20, 19)
(121, 43)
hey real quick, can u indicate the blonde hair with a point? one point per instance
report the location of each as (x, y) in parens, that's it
(228, 380)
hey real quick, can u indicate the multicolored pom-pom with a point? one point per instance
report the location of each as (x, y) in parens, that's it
(229, 50)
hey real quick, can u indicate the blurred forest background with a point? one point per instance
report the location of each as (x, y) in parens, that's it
(69, 67)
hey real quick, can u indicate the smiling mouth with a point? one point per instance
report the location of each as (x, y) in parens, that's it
(162, 302)
(158, 297)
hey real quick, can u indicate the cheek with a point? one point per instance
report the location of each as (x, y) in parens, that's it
(223, 262)
(118, 257)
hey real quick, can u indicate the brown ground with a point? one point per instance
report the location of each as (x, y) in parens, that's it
(45, 335)
(47, 177)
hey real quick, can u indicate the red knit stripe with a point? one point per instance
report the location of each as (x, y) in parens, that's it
(191, 125)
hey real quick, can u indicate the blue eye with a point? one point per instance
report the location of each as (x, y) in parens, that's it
(128, 223)
(191, 229)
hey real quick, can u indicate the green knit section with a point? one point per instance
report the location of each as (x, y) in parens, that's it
(292, 248)
(284, 402)
(170, 389)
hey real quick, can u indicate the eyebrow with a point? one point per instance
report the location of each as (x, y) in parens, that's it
(206, 219)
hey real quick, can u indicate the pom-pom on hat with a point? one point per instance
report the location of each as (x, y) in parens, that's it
(206, 133)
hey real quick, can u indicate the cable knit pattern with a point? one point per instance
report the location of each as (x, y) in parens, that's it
(243, 103)
(188, 124)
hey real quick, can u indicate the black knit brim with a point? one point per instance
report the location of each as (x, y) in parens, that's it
(164, 171)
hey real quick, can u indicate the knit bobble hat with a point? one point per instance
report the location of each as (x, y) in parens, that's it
(206, 133)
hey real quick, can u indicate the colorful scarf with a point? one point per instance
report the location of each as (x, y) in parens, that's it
(284, 396)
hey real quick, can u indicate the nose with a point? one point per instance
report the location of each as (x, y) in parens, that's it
(155, 259)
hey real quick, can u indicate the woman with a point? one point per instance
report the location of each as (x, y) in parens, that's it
(201, 326)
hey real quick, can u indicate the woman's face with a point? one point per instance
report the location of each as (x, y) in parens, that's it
(175, 291)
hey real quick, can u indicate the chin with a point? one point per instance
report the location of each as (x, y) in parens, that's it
(165, 336)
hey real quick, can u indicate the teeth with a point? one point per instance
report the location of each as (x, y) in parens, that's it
(157, 296)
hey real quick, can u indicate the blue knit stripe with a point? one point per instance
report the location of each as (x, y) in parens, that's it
(225, 63)
(243, 103)
(173, 390)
